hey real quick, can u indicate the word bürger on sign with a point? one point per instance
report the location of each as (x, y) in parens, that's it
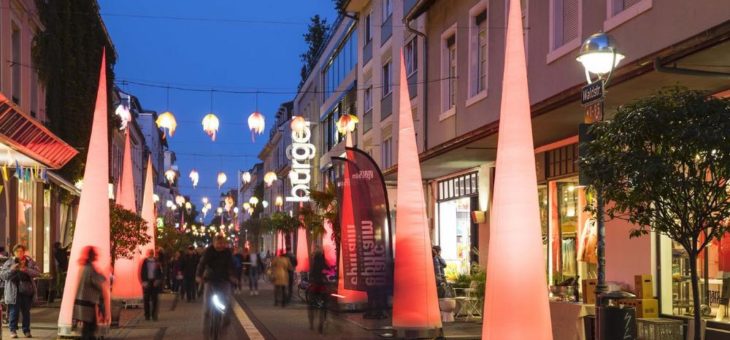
(301, 151)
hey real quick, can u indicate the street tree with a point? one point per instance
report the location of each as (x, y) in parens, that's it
(128, 231)
(315, 38)
(664, 163)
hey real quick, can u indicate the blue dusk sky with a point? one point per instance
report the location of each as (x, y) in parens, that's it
(241, 45)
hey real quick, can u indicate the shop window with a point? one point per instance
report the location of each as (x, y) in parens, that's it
(456, 234)
(47, 231)
(26, 217)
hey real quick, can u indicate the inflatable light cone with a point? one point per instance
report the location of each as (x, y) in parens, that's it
(92, 224)
(126, 284)
(515, 275)
(415, 300)
(302, 251)
(148, 209)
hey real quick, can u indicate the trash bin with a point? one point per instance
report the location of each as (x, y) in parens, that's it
(615, 322)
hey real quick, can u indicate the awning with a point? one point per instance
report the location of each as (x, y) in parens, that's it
(26, 135)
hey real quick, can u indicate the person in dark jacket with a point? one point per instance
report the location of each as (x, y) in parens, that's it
(152, 280)
(60, 257)
(317, 291)
(217, 273)
(18, 274)
(293, 261)
(189, 264)
(90, 295)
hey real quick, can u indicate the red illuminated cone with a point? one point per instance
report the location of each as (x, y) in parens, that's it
(302, 251)
(127, 284)
(148, 208)
(516, 301)
(415, 300)
(92, 224)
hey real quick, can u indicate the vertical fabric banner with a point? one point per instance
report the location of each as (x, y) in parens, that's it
(366, 242)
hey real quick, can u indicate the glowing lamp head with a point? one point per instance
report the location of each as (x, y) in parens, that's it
(246, 177)
(204, 200)
(235, 210)
(179, 200)
(219, 210)
(188, 206)
(222, 178)
(210, 125)
(279, 201)
(155, 198)
(298, 124)
(347, 123)
(256, 123)
(170, 175)
(169, 204)
(253, 200)
(265, 204)
(124, 115)
(194, 177)
(247, 206)
(173, 207)
(598, 54)
(269, 178)
(167, 121)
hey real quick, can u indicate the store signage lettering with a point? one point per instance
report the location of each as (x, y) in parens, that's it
(369, 252)
(300, 152)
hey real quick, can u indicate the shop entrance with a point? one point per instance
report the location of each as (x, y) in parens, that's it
(456, 233)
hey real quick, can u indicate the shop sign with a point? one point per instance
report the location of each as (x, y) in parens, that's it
(300, 152)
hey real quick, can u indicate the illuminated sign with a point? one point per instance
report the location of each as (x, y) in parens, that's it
(300, 152)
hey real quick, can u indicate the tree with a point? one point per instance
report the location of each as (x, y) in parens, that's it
(67, 55)
(128, 232)
(323, 206)
(340, 6)
(664, 162)
(315, 39)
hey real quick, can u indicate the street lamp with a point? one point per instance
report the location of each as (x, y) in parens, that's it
(599, 57)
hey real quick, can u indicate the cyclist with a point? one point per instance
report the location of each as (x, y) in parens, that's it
(217, 273)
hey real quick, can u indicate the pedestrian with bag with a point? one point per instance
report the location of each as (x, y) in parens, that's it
(280, 267)
(90, 296)
(152, 281)
(20, 290)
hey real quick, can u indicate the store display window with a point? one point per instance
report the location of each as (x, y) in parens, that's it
(26, 218)
(456, 233)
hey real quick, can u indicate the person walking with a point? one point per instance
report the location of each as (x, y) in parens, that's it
(255, 266)
(317, 291)
(238, 268)
(90, 295)
(152, 281)
(189, 265)
(18, 274)
(280, 267)
(177, 275)
(293, 262)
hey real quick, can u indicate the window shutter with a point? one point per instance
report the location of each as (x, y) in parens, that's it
(570, 20)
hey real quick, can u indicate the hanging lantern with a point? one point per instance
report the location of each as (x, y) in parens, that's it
(124, 115)
(155, 198)
(269, 178)
(222, 178)
(279, 202)
(205, 200)
(194, 177)
(219, 210)
(228, 203)
(250, 211)
(247, 206)
(246, 177)
(265, 204)
(169, 204)
(205, 211)
(253, 200)
(298, 124)
(207, 205)
(235, 210)
(188, 206)
(174, 207)
(256, 123)
(167, 121)
(179, 200)
(210, 125)
(347, 123)
(170, 175)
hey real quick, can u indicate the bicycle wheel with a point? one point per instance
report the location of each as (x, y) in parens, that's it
(215, 326)
(302, 293)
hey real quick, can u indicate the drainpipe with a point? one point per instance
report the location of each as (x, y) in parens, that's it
(407, 20)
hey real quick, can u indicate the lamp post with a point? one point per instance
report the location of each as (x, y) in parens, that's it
(599, 57)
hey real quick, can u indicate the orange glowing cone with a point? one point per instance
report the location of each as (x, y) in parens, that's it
(92, 224)
(302, 251)
(148, 208)
(415, 300)
(515, 274)
(328, 244)
(127, 284)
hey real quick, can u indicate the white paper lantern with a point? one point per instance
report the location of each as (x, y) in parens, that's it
(256, 123)
(170, 175)
(222, 178)
(194, 177)
(269, 178)
(246, 177)
(210, 125)
(167, 121)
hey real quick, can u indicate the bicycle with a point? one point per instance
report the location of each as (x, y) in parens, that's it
(302, 287)
(218, 313)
